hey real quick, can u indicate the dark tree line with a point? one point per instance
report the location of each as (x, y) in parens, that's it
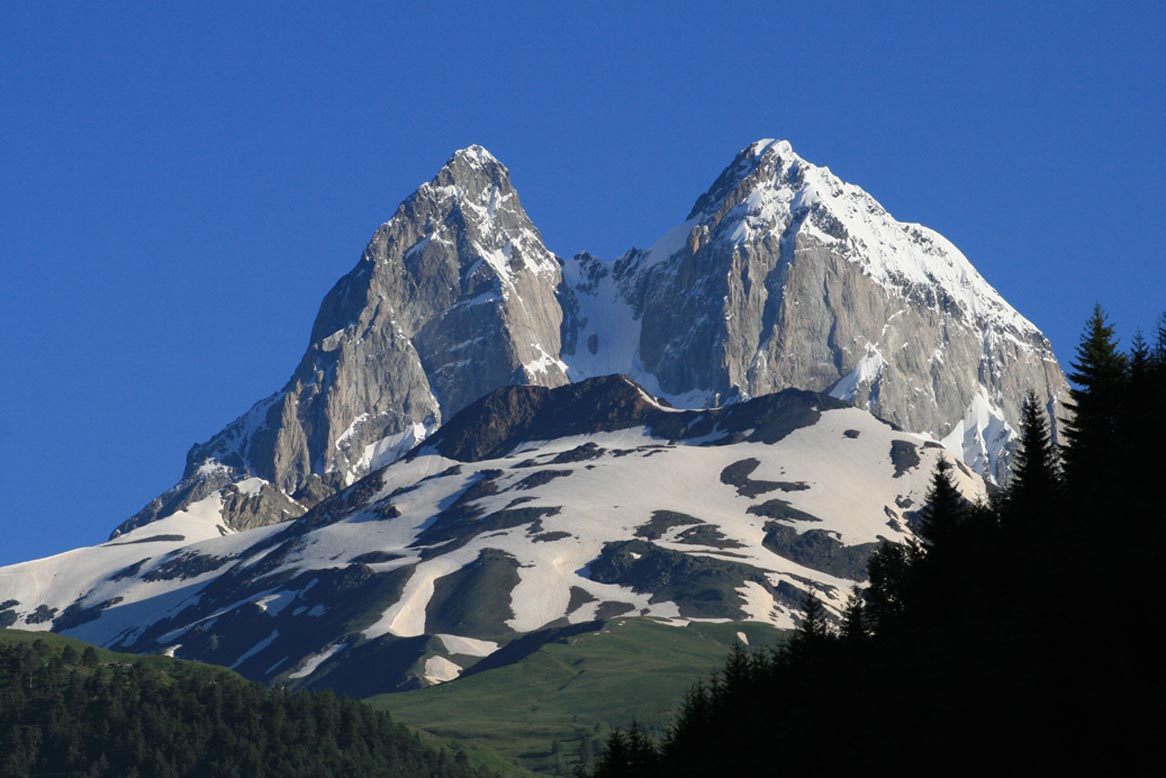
(69, 713)
(1017, 636)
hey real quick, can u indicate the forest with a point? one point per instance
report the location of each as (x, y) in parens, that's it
(71, 710)
(1021, 634)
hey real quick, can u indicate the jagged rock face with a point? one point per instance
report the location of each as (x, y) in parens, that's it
(783, 275)
(454, 296)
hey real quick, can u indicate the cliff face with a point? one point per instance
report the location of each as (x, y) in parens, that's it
(454, 296)
(783, 275)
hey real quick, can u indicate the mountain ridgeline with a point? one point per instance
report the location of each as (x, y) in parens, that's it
(781, 276)
(530, 510)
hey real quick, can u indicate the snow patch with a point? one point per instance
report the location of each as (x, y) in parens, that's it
(313, 662)
(866, 373)
(670, 242)
(543, 364)
(250, 486)
(982, 437)
(211, 467)
(262, 644)
(273, 604)
(457, 644)
(391, 448)
(438, 669)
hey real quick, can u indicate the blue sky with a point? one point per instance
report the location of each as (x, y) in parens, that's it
(181, 183)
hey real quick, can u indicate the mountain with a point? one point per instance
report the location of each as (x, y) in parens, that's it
(533, 509)
(453, 296)
(781, 276)
(784, 275)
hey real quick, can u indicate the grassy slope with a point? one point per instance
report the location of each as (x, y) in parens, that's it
(573, 688)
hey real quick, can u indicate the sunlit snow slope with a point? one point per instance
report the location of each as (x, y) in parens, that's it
(532, 508)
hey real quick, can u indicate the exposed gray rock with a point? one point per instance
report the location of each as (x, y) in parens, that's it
(783, 275)
(244, 509)
(454, 296)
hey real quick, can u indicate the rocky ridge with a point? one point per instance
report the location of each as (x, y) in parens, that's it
(452, 297)
(784, 275)
(781, 276)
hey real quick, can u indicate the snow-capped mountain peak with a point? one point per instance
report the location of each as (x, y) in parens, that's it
(477, 154)
(784, 274)
(777, 190)
(482, 208)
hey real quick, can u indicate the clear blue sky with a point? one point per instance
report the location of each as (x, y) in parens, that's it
(181, 183)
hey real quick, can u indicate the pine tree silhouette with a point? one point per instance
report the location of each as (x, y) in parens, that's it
(1099, 375)
(1035, 470)
(945, 511)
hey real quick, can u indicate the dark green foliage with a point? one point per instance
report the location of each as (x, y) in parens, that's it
(633, 753)
(965, 655)
(889, 570)
(944, 513)
(1099, 373)
(812, 633)
(75, 713)
(855, 621)
(1159, 354)
(1036, 470)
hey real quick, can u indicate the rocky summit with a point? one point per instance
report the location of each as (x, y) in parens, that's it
(782, 275)
(453, 296)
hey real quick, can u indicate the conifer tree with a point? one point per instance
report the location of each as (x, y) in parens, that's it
(614, 761)
(1140, 356)
(693, 717)
(854, 619)
(973, 615)
(1159, 353)
(812, 632)
(1035, 470)
(1140, 398)
(1099, 375)
(889, 569)
(944, 512)
(738, 669)
(642, 758)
